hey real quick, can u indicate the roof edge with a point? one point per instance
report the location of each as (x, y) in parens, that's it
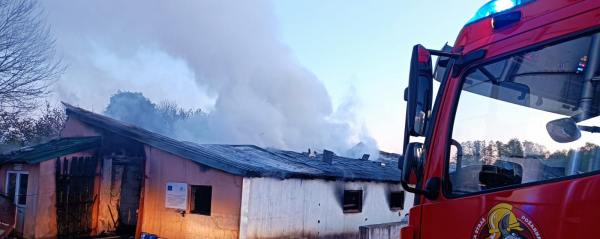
(164, 146)
(35, 157)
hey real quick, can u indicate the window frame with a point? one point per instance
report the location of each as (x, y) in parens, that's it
(192, 202)
(403, 196)
(457, 95)
(17, 186)
(360, 201)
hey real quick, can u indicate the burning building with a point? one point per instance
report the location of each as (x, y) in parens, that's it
(106, 177)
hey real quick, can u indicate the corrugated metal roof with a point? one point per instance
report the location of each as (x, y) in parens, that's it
(53, 149)
(248, 160)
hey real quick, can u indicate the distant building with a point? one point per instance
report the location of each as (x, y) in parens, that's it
(104, 176)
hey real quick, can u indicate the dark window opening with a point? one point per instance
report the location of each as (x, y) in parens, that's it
(397, 200)
(353, 200)
(12, 185)
(23, 189)
(201, 200)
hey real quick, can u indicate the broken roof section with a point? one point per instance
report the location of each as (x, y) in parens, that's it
(51, 150)
(288, 164)
(248, 160)
(382, 156)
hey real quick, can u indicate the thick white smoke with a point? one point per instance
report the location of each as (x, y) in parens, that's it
(221, 56)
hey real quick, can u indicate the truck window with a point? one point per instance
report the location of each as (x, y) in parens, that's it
(499, 132)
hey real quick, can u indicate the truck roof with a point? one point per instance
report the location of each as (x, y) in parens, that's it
(535, 14)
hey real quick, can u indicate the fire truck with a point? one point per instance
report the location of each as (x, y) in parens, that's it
(507, 148)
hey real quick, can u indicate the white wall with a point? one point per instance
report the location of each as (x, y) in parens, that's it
(300, 208)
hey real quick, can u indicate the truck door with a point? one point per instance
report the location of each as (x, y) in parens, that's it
(520, 157)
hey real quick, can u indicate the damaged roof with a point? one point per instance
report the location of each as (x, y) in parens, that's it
(288, 164)
(53, 149)
(248, 160)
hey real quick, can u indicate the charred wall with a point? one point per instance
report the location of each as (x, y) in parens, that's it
(112, 143)
(119, 186)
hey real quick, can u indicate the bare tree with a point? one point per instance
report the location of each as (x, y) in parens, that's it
(27, 56)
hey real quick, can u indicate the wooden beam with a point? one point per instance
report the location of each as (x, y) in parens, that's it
(140, 222)
(104, 220)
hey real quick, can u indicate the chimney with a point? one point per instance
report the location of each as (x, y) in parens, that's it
(365, 157)
(327, 156)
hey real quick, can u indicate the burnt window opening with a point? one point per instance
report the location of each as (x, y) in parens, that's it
(201, 200)
(353, 201)
(397, 200)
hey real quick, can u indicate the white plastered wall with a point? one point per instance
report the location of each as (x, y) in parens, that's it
(299, 208)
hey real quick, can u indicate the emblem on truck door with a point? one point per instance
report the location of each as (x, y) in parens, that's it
(504, 221)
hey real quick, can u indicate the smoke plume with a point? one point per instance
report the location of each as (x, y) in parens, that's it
(221, 56)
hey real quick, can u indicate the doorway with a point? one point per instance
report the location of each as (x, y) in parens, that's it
(125, 193)
(16, 189)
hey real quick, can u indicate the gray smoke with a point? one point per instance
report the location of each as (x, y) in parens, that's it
(221, 56)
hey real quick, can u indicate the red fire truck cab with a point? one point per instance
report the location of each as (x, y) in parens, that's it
(508, 146)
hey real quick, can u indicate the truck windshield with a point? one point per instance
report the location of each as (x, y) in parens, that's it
(499, 133)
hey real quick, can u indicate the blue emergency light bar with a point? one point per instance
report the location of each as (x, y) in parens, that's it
(496, 6)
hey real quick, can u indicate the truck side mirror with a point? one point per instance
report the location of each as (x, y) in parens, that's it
(414, 160)
(419, 94)
(563, 130)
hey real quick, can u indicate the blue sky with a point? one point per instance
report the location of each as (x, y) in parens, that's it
(366, 45)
